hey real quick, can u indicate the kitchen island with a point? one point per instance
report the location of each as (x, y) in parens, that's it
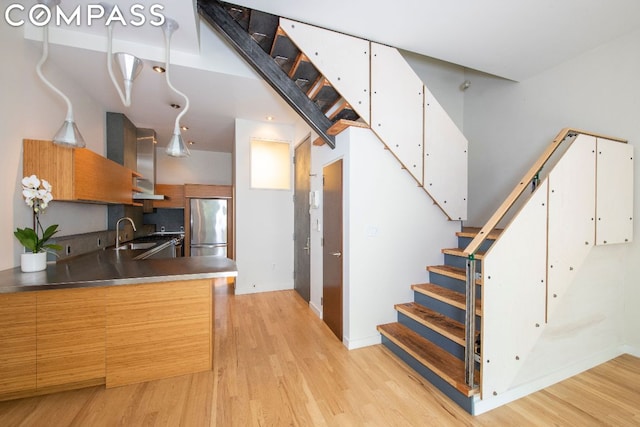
(105, 318)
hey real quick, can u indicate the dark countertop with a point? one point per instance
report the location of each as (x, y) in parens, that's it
(111, 268)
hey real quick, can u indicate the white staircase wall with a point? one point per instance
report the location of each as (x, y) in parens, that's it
(554, 236)
(391, 232)
(342, 59)
(445, 159)
(397, 103)
(614, 208)
(572, 200)
(513, 295)
(390, 97)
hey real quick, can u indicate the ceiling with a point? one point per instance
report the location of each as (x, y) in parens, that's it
(510, 39)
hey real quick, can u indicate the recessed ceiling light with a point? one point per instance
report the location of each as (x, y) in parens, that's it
(191, 142)
(270, 118)
(158, 69)
(176, 106)
(183, 127)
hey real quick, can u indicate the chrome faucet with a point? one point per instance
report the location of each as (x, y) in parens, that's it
(118, 229)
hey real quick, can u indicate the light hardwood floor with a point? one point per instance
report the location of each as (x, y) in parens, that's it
(277, 364)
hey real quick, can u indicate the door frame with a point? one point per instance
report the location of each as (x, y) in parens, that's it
(329, 250)
(302, 237)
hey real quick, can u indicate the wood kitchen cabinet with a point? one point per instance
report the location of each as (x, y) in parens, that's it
(78, 174)
(70, 337)
(17, 343)
(174, 196)
(62, 339)
(158, 330)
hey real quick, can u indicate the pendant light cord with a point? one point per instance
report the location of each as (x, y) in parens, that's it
(43, 59)
(126, 100)
(167, 37)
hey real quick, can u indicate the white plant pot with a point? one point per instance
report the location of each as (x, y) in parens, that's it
(30, 262)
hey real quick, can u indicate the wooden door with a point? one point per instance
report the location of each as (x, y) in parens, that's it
(332, 248)
(302, 221)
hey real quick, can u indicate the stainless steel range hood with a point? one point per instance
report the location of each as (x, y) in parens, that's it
(146, 165)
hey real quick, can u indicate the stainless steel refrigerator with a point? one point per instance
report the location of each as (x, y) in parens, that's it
(208, 227)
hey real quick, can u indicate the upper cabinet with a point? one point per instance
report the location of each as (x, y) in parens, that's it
(79, 174)
(173, 196)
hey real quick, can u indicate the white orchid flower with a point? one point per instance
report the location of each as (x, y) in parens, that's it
(31, 181)
(46, 185)
(30, 193)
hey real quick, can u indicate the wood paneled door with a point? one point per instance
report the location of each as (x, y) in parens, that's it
(302, 221)
(332, 250)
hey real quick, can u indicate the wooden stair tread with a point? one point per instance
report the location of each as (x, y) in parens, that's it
(447, 296)
(460, 253)
(442, 363)
(473, 231)
(435, 321)
(453, 272)
(342, 124)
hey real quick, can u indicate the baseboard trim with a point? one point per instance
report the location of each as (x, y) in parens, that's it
(628, 349)
(485, 405)
(362, 342)
(316, 310)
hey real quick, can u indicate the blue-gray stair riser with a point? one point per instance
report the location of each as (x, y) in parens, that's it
(463, 242)
(447, 282)
(465, 402)
(443, 308)
(451, 283)
(460, 262)
(445, 343)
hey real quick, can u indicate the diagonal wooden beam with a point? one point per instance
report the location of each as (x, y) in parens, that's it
(216, 15)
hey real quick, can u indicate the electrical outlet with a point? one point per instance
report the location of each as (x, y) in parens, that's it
(99, 242)
(67, 249)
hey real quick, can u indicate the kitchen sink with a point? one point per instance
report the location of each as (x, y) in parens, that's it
(142, 245)
(136, 246)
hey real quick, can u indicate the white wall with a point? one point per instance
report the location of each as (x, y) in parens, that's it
(31, 110)
(202, 167)
(392, 231)
(444, 80)
(508, 125)
(264, 218)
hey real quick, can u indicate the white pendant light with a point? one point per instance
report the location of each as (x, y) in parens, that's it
(68, 135)
(129, 65)
(176, 146)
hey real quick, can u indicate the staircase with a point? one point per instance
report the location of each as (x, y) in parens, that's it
(430, 334)
(258, 37)
(335, 81)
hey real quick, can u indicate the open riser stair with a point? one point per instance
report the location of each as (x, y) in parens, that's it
(335, 81)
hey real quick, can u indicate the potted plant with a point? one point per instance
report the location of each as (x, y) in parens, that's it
(37, 195)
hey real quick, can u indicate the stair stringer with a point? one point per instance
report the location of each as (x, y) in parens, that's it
(404, 114)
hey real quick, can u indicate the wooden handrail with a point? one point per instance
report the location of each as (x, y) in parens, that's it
(473, 246)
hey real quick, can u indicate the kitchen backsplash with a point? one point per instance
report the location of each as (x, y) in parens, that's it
(79, 244)
(170, 219)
